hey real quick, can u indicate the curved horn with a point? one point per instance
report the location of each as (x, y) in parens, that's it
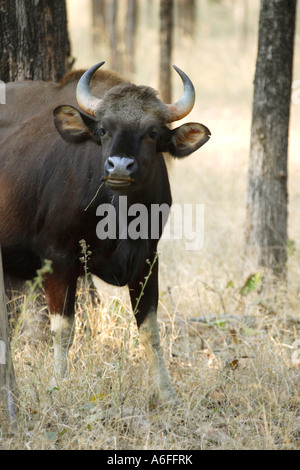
(86, 100)
(184, 106)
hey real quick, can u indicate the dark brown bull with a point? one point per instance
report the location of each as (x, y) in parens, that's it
(50, 189)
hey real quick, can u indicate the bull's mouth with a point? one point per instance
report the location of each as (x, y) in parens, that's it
(118, 182)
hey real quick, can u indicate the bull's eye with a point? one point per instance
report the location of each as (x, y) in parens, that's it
(100, 132)
(153, 134)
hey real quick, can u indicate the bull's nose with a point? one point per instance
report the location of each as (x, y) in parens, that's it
(119, 167)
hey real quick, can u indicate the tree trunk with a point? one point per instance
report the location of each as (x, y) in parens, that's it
(131, 25)
(266, 225)
(8, 387)
(166, 31)
(186, 17)
(98, 21)
(114, 37)
(34, 43)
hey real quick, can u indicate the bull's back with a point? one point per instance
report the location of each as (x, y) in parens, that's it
(37, 167)
(33, 99)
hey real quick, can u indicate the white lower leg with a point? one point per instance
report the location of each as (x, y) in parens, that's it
(149, 335)
(62, 330)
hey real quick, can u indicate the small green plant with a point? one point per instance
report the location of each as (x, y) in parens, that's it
(116, 308)
(291, 247)
(143, 284)
(251, 284)
(86, 254)
(125, 345)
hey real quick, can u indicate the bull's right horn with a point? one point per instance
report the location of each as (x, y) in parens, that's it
(86, 100)
(184, 106)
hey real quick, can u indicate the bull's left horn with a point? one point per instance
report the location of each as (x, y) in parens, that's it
(86, 100)
(184, 106)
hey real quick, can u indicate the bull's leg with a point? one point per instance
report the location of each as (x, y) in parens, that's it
(145, 308)
(60, 288)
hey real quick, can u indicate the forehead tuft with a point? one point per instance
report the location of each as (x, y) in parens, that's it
(130, 103)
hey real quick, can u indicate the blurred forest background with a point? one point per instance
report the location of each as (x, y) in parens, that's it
(207, 35)
(215, 43)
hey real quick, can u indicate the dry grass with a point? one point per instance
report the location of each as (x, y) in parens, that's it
(230, 356)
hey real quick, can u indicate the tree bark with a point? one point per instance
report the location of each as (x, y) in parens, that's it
(266, 224)
(114, 36)
(98, 21)
(34, 42)
(166, 43)
(186, 16)
(130, 36)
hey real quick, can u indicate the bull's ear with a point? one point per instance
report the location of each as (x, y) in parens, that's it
(187, 138)
(72, 125)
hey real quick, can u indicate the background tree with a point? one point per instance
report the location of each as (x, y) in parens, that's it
(130, 35)
(99, 32)
(115, 24)
(112, 8)
(34, 42)
(166, 43)
(266, 225)
(186, 16)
